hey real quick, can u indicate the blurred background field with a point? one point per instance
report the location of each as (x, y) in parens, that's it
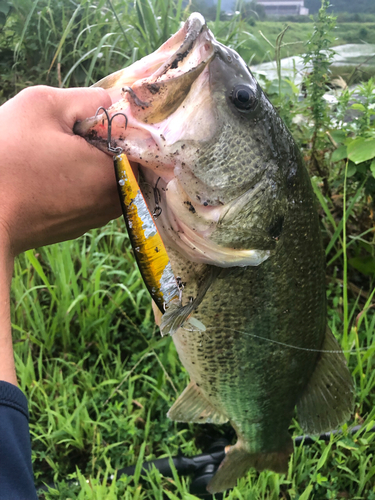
(65, 43)
(97, 374)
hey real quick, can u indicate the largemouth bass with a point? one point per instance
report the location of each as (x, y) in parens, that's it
(239, 224)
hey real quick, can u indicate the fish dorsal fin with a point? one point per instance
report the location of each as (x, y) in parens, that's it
(328, 398)
(192, 406)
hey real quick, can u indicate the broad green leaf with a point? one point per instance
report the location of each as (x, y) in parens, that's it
(338, 136)
(359, 107)
(367, 246)
(321, 479)
(285, 87)
(362, 168)
(4, 8)
(361, 149)
(346, 443)
(292, 85)
(352, 169)
(339, 154)
(365, 265)
(349, 140)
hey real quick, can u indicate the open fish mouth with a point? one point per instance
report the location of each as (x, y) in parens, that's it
(152, 89)
(169, 100)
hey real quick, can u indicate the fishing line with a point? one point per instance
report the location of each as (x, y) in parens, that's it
(284, 344)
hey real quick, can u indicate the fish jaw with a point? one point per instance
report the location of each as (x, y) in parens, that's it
(153, 145)
(150, 90)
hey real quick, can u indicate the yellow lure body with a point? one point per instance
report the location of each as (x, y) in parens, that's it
(148, 247)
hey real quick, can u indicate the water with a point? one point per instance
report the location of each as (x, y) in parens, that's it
(347, 56)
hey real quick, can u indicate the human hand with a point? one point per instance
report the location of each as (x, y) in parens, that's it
(53, 185)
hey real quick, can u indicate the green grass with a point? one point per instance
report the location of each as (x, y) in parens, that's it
(66, 44)
(100, 380)
(343, 33)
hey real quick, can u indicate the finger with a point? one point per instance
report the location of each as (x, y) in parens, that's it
(94, 172)
(65, 106)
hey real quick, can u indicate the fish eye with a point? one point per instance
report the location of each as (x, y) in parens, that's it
(244, 98)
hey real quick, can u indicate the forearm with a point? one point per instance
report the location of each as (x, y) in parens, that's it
(53, 185)
(7, 369)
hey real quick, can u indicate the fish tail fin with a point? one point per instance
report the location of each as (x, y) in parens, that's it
(239, 460)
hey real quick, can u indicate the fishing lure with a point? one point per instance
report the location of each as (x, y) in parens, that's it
(149, 249)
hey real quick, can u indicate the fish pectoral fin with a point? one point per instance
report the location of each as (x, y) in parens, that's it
(176, 314)
(328, 398)
(239, 460)
(192, 406)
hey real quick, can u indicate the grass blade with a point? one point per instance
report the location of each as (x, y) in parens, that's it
(66, 32)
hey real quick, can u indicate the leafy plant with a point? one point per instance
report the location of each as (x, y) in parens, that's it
(319, 56)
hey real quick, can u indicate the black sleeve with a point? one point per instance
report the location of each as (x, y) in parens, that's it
(16, 474)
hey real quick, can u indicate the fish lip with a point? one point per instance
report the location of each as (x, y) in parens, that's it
(192, 28)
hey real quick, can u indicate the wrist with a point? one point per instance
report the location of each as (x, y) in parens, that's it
(7, 368)
(6, 252)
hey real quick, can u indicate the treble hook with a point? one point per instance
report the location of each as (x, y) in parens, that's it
(117, 150)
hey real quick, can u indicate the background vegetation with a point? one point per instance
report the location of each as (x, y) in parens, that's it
(66, 43)
(98, 377)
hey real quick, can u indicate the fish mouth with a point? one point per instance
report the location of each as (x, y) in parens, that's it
(152, 89)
